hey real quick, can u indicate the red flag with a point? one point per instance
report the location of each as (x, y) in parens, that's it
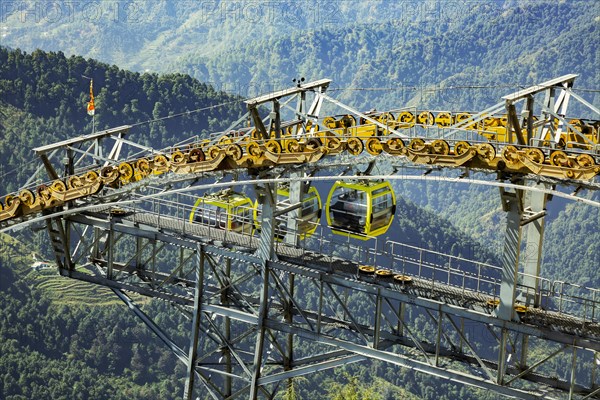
(90, 105)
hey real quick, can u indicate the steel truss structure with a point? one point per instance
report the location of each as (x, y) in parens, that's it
(502, 328)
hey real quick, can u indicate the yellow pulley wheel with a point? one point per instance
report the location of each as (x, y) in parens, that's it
(58, 186)
(426, 118)
(92, 176)
(347, 121)
(160, 160)
(510, 154)
(520, 309)
(535, 155)
(366, 269)
(1, 207)
(402, 278)
(234, 151)
(387, 119)
(333, 143)
(374, 146)
(177, 157)
(74, 182)
(143, 167)
(417, 144)
(492, 302)
(330, 122)
(109, 174)
(196, 155)
(126, 171)
(443, 119)
(27, 197)
(293, 146)
(395, 144)
(441, 147)
(43, 192)
(461, 148)
(213, 152)
(585, 160)
(406, 119)
(225, 140)
(486, 151)
(273, 146)
(355, 146)
(9, 200)
(560, 159)
(313, 143)
(383, 273)
(254, 149)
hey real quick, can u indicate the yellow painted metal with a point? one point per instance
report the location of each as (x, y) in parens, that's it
(366, 269)
(225, 209)
(234, 150)
(364, 208)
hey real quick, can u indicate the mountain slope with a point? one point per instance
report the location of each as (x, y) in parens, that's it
(47, 320)
(43, 97)
(419, 49)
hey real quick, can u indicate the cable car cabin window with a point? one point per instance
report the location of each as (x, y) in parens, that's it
(210, 214)
(241, 219)
(382, 211)
(349, 209)
(310, 206)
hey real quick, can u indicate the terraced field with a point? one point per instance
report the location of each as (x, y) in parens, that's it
(60, 290)
(67, 291)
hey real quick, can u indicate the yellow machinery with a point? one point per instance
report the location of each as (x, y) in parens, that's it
(310, 212)
(505, 142)
(492, 127)
(225, 210)
(360, 209)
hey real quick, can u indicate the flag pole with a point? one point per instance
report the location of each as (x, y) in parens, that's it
(91, 108)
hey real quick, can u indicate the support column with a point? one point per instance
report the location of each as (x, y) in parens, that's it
(536, 205)
(193, 352)
(502, 358)
(295, 198)
(512, 204)
(377, 323)
(227, 331)
(289, 357)
(267, 198)
(110, 250)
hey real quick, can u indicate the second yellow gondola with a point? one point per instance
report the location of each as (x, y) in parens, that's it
(225, 209)
(360, 209)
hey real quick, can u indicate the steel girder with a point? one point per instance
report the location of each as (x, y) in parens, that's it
(232, 294)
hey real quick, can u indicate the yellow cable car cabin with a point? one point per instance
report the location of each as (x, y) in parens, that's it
(310, 212)
(360, 209)
(225, 209)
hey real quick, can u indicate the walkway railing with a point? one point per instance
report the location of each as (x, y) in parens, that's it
(431, 266)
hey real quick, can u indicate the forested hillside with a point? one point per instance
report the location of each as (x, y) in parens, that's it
(467, 64)
(458, 55)
(43, 97)
(54, 330)
(421, 50)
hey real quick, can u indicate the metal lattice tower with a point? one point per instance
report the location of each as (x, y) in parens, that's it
(265, 309)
